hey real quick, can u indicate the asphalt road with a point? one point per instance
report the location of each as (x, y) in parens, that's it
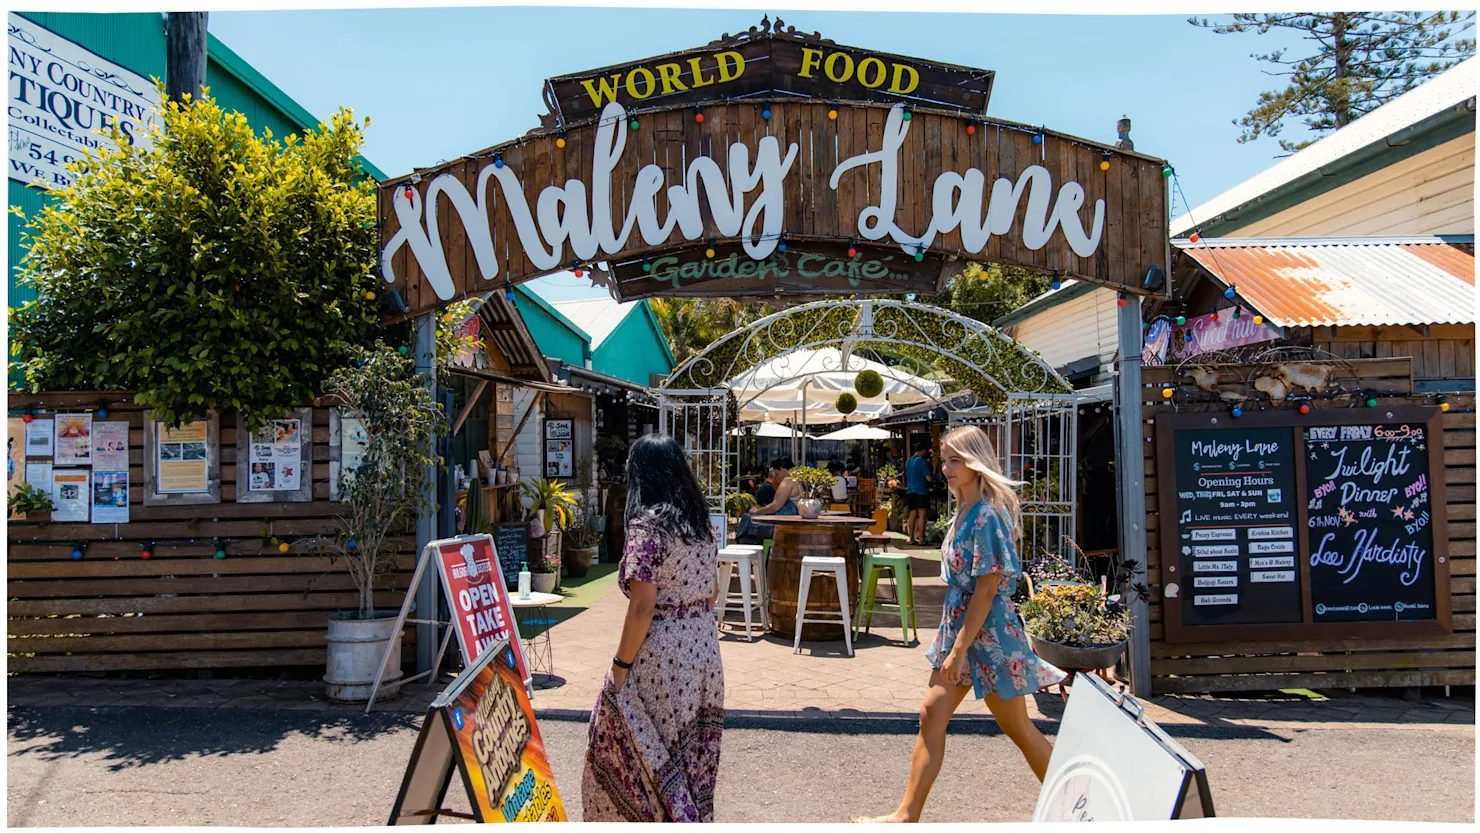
(137, 766)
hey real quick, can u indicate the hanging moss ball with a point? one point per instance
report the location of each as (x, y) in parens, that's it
(869, 384)
(847, 403)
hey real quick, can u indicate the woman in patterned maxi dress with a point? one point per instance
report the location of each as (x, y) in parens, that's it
(979, 564)
(653, 748)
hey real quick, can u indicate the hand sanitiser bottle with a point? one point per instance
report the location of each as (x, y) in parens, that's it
(524, 581)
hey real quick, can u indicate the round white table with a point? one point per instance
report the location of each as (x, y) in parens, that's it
(539, 651)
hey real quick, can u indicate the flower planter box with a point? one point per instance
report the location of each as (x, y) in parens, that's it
(1072, 658)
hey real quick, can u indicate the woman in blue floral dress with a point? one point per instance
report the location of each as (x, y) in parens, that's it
(979, 563)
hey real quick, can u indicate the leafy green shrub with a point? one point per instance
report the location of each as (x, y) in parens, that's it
(215, 269)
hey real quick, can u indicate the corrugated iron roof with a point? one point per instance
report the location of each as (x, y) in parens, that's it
(1363, 281)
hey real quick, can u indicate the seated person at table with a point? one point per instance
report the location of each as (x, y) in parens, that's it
(840, 482)
(783, 497)
(755, 480)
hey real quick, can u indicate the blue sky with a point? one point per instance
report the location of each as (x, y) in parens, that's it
(441, 83)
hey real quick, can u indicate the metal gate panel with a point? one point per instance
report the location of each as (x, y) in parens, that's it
(1036, 438)
(699, 421)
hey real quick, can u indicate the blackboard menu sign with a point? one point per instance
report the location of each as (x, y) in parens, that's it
(1236, 521)
(1281, 526)
(1371, 523)
(511, 545)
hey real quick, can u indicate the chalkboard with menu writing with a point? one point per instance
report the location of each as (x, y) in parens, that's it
(1371, 523)
(1278, 526)
(511, 545)
(1236, 521)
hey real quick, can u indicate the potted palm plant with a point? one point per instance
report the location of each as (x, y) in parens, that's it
(551, 504)
(401, 419)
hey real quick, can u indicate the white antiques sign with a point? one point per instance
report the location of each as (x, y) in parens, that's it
(64, 100)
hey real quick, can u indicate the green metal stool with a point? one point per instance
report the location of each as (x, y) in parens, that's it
(898, 564)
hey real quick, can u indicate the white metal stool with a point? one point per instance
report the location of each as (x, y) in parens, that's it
(837, 567)
(747, 560)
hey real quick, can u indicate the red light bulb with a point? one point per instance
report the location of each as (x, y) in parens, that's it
(970, 130)
(852, 252)
(1215, 315)
(1195, 237)
(1304, 409)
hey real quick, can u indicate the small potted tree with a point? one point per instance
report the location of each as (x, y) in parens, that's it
(380, 497)
(815, 484)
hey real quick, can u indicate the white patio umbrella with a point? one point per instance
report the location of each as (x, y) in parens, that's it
(825, 369)
(770, 430)
(857, 432)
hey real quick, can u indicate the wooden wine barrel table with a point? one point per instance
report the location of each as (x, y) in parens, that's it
(826, 535)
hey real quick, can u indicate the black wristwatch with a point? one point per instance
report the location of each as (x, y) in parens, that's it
(625, 666)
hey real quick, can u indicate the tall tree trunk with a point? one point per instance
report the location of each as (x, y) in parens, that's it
(185, 55)
(1341, 98)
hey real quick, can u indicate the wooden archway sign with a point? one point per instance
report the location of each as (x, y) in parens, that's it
(778, 193)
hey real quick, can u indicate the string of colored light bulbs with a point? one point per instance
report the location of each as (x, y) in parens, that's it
(1367, 397)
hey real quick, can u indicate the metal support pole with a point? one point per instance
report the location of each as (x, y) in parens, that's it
(426, 521)
(1128, 463)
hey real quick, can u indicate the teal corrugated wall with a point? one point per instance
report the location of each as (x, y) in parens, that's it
(136, 42)
(632, 351)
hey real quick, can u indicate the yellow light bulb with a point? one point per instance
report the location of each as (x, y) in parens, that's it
(1258, 319)
(709, 252)
(832, 114)
(1166, 393)
(1105, 165)
(560, 143)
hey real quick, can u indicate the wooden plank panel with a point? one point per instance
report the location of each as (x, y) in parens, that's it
(224, 584)
(253, 640)
(280, 620)
(1269, 682)
(182, 566)
(175, 661)
(1325, 662)
(149, 605)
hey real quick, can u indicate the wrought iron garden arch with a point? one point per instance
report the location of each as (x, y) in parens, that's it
(1017, 389)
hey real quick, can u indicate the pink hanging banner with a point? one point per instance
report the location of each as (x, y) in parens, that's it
(1224, 333)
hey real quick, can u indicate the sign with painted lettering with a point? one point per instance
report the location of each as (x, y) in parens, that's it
(767, 60)
(1206, 333)
(803, 269)
(64, 100)
(477, 597)
(483, 728)
(1282, 526)
(643, 176)
(1236, 487)
(1371, 523)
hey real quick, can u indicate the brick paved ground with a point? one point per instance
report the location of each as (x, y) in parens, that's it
(885, 678)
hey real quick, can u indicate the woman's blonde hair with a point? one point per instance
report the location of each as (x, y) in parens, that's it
(976, 450)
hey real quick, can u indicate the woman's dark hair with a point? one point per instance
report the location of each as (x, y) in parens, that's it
(835, 467)
(781, 463)
(661, 487)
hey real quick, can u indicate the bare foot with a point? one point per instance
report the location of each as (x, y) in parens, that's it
(892, 818)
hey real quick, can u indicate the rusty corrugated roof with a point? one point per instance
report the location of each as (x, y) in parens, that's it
(1351, 281)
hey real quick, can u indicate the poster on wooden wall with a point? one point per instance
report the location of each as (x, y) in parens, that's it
(39, 437)
(560, 454)
(15, 456)
(110, 446)
(73, 439)
(182, 465)
(70, 495)
(110, 497)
